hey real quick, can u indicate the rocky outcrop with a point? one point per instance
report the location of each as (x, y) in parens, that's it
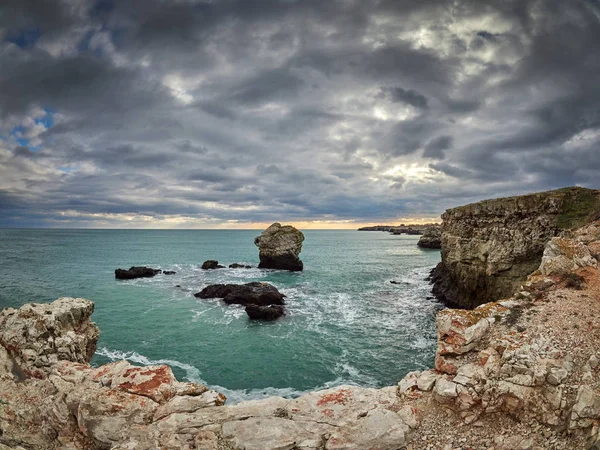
(211, 264)
(254, 293)
(256, 312)
(488, 248)
(239, 266)
(279, 247)
(431, 238)
(136, 272)
(169, 272)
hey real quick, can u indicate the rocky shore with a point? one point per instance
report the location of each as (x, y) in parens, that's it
(518, 373)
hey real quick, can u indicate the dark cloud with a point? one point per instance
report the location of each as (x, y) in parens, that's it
(260, 110)
(408, 96)
(435, 149)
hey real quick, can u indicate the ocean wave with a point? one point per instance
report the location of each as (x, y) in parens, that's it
(191, 373)
(234, 396)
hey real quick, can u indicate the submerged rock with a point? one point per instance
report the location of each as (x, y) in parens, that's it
(256, 312)
(169, 272)
(136, 272)
(279, 247)
(239, 266)
(211, 264)
(431, 238)
(255, 293)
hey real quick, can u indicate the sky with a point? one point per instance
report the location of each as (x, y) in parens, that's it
(323, 114)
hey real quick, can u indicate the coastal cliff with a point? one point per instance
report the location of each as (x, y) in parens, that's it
(489, 247)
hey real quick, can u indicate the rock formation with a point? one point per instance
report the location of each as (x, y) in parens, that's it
(521, 373)
(262, 300)
(431, 238)
(136, 272)
(239, 266)
(211, 264)
(279, 247)
(254, 293)
(169, 272)
(256, 312)
(489, 247)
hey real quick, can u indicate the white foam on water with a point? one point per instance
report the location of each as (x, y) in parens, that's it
(234, 396)
(191, 372)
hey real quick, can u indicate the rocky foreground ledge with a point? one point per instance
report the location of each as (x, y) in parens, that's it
(521, 373)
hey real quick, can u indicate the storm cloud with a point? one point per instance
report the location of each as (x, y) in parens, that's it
(237, 112)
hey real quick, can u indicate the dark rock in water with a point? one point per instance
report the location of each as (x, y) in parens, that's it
(211, 264)
(239, 266)
(177, 285)
(136, 272)
(169, 272)
(396, 282)
(255, 293)
(279, 247)
(256, 312)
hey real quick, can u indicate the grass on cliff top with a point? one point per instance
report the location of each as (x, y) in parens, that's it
(580, 206)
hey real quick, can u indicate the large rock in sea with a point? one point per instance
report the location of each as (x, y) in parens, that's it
(489, 248)
(431, 238)
(279, 247)
(136, 272)
(255, 293)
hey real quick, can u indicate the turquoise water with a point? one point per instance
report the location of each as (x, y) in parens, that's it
(346, 322)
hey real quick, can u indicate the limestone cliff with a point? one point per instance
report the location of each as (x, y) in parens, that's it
(489, 247)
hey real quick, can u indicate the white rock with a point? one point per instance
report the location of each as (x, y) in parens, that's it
(426, 380)
(445, 389)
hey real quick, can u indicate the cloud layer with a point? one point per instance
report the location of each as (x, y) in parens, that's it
(232, 113)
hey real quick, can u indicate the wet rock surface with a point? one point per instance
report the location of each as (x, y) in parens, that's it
(279, 247)
(211, 264)
(136, 272)
(256, 312)
(255, 293)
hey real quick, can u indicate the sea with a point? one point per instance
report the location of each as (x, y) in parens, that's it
(346, 322)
